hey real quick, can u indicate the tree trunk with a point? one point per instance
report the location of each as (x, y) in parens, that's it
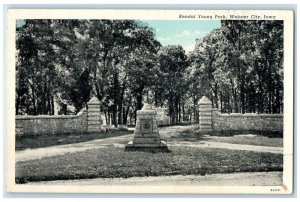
(221, 101)
(106, 118)
(171, 109)
(52, 105)
(179, 110)
(120, 108)
(196, 109)
(155, 99)
(33, 100)
(139, 101)
(176, 109)
(17, 104)
(116, 100)
(183, 111)
(216, 96)
(233, 91)
(242, 94)
(277, 101)
(125, 115)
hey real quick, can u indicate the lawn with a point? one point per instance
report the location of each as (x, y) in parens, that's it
(113, 162)
(38, 141)
(248, 140)
(192, 135)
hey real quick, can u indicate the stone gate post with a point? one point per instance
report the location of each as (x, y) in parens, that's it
(205, 108)
(94, 116)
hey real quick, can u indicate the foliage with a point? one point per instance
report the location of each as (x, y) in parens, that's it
(71, 60)
(172, 80)
(240, 66)
(36, 75)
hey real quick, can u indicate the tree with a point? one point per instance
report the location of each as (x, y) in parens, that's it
(79, 58)
(173, 64)
(35, 68)
(241, 66)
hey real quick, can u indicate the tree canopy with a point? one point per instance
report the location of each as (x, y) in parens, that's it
(240, 66)
(61, 64)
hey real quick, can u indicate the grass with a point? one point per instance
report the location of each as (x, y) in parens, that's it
(114, 162)
(188, 135)
(248, 140)
(37, 141)
(193, 135)
(270, 134)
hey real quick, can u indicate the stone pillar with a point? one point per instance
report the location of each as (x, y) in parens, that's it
(205, 108)
(94, 116)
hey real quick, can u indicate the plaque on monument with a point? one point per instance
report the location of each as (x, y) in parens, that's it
(146, 126)
(146, 134)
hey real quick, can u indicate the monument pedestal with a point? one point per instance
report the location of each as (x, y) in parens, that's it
(162, 147)
(146, 134)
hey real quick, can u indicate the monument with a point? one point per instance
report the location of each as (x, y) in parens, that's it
(146, 134)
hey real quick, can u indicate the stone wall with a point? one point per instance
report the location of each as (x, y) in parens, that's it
(85, 121)
(247, 122)
(220, 122)
(35, 125)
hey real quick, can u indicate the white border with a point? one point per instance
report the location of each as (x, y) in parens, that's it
(147, 14)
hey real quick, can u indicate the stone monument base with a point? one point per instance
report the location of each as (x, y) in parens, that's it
(146, 134)
(153, 148)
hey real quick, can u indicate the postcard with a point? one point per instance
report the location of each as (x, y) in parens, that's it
(150, 101)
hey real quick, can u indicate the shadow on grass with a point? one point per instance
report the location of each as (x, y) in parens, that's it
(188, 135)
(30, 141)
(269, 134)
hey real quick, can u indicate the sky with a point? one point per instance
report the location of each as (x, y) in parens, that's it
(174, 32)
(182, 32)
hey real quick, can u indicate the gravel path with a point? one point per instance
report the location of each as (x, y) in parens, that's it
(121, 141)
(29, 154)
